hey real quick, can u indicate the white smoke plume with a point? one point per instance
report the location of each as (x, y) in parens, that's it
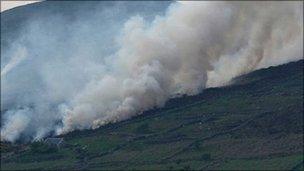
(18, 57)
(77, 85)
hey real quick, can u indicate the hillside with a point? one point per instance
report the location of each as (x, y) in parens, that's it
(15, 22)
(255, 123)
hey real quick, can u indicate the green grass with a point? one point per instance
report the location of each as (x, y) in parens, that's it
(45, 165)
(277, 163)
(96, 144)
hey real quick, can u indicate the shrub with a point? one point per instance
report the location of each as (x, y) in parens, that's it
(187, 167)
(39, 147)
(143, 128)
(206, 157)
(178, 161)
(197, 145)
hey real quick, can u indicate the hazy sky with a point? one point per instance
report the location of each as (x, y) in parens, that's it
(8, 4)
(5, 5)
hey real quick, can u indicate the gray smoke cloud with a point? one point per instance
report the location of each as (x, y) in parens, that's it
(65, 79)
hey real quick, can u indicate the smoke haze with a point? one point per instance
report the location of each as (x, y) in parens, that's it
(90, 71)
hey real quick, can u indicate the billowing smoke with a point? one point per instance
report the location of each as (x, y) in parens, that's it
(66, 78)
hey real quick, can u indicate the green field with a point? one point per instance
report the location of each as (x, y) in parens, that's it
(254, 124)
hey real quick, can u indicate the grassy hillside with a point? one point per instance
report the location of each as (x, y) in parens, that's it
(256, 123)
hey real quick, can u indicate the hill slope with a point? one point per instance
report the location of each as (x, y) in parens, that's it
(256, 123)
(15, 21)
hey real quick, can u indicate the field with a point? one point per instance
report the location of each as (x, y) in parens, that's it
(255, 123)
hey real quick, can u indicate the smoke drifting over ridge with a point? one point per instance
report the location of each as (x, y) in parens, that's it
(60, 80)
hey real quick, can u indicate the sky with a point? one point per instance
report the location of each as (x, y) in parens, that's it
(6, 5)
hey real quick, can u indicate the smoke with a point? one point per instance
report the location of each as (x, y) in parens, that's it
(19, 56)
(68, 78)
